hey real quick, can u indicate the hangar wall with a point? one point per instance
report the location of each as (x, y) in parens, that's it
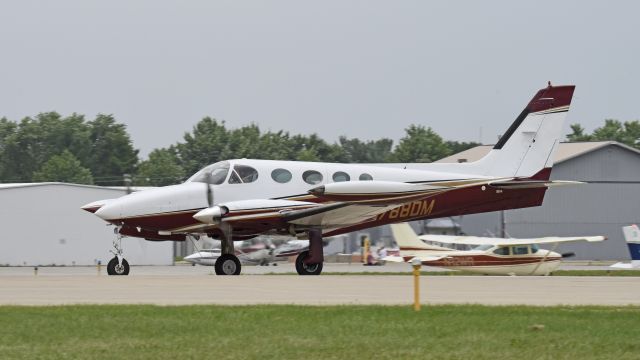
(44, 225)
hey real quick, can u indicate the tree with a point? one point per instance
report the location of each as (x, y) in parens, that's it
(112, 153)
(64, 168)
(162, 168)
(204, 145)
(613, 130)
(420, 145)
(376, 151)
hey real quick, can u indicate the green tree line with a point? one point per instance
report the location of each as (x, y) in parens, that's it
(50, 147)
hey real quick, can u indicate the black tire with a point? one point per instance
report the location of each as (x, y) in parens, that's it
(114, 269)
(228, 264)
(304, 269)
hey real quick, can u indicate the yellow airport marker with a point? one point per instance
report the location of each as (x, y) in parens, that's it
(417, 264)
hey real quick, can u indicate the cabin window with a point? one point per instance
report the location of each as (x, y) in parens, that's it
(213, 174)
(243, 174)
(365, 177)
(504, 250)
(519, 250)
(341, 176)
(312, 177)
(281, 175)
(534, 248)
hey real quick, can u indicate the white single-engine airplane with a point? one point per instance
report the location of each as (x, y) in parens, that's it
(240, 199)
(490, 256)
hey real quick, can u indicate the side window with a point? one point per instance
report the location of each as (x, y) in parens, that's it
(534, 248)
(520, 250)
(243, 174)
(281, 175)
(365, 177)
(312, 177)
(504, 250)
(341, 176)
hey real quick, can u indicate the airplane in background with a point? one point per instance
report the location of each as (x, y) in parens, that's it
(260, 256)
(239, 199)
(490, 256)
(632, 236)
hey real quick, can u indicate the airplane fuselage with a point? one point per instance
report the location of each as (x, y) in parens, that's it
(162, 213)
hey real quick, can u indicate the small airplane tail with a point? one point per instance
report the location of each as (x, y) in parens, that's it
(408, 240)
(632, 237)
(527, 148)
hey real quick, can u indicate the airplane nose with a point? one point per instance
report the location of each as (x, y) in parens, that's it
(110, 212)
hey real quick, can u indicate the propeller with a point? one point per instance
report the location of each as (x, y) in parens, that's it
(213, 215)
(209, 190)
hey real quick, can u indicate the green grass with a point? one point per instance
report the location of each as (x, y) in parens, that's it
(464, 273)
(331, 332)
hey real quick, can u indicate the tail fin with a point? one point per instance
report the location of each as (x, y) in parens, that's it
(526, 149)
(632, 237)
(408, 240)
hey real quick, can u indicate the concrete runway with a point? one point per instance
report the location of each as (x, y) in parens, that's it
(181, 285)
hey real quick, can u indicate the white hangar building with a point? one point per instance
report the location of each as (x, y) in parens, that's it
(42, 224)
(609, 200)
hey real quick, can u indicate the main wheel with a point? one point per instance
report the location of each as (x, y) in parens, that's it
(113, 268)
(307, 269)
(227, 264)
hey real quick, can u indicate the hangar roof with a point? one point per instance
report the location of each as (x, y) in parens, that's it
(566, 151)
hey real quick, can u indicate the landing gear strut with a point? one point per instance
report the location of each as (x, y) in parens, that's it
(227, 263)
(118, 265)
(310, 262)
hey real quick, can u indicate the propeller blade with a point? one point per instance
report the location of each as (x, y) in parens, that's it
(209, 190)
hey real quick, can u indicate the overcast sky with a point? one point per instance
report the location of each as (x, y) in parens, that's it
(364, 69)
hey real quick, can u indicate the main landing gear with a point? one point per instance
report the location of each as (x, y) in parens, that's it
(118, 265)
(227, 263)
(310, 262)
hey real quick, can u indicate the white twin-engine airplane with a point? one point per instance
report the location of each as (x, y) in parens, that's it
(240, 199)
(489, 256)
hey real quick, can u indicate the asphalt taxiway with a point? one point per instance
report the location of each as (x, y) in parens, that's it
(183, 285)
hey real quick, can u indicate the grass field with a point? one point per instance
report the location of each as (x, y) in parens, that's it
(340, 332)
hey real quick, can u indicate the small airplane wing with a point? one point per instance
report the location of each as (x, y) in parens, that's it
(476, 241)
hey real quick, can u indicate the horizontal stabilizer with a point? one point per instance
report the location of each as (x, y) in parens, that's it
(531, 184)
(634, 264)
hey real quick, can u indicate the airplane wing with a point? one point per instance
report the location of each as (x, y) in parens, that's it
(344, 204)
(476, 241)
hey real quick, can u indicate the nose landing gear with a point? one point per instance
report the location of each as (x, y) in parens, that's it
(118, 265)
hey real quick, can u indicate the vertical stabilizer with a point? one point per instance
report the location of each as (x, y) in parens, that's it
(527, 147)
(632, 237)
(408, 240)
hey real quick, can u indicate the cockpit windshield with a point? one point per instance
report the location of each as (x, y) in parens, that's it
(213, 174)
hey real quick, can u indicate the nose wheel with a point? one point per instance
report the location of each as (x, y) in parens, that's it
(227, 264)
(118, 265)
